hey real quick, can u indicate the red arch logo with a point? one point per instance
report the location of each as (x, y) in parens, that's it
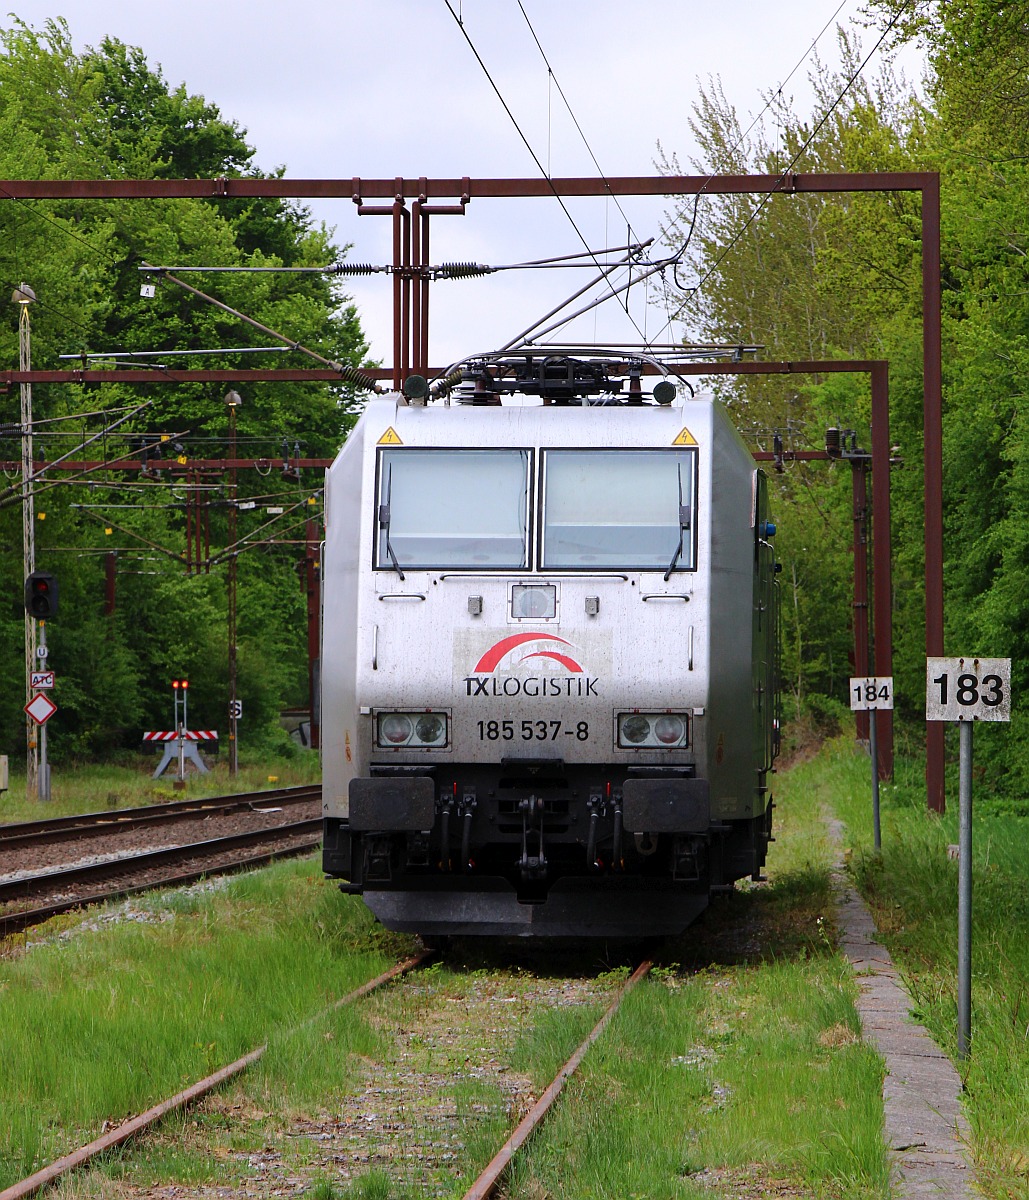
(500, 650)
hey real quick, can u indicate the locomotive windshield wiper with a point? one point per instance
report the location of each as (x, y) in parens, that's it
(384, 522)
(684, 524)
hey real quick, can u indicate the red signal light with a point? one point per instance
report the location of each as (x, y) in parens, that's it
(41, 595)
(175, 684)
(185, 683)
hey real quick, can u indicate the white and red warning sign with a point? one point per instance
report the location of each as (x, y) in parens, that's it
(42, 679)
(188, 735)
(41, 708)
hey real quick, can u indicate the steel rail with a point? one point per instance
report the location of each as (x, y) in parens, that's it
(490, 1177)
(24, 919)
(33, 885)
(135, 1125)
(111, 820)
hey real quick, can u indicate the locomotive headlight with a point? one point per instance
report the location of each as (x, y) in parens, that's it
(431, 729)
(395, 729)
(653, 731)
(670, 731)
(634, 729)
(411, 730)
(533, 601)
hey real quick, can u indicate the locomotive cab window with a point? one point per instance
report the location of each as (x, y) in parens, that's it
(625, 509)
(452, 508)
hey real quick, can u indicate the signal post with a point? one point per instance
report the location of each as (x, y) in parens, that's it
(40, 605)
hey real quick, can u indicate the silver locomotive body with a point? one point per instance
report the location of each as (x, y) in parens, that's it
(548, 666)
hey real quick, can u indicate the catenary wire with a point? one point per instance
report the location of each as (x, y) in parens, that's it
(528, 146)
(575, 120)
(767, 198)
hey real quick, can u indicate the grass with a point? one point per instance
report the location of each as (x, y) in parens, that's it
(743, 1074)
(83, 789)
(96, 1028)
(736, 1070)
(913, 889)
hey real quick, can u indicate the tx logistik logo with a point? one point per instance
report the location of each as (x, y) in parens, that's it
(499, 671)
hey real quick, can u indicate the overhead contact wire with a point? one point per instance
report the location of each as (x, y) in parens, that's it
(767, 198)
(351, 374)
(528, 146)
(575, 120)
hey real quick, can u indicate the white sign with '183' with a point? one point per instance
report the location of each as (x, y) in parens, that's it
(968, 689)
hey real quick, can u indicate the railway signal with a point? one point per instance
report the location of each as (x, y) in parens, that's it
(180, 691)
(41, 595)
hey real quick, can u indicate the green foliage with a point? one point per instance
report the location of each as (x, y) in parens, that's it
(106, 113)
(811, 277)
(255, 960)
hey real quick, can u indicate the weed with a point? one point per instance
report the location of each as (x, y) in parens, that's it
(100, 1026)
(757, 1061)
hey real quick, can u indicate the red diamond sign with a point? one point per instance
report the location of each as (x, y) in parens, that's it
(41, 708)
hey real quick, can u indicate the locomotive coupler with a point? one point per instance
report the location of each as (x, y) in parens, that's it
(532, 865)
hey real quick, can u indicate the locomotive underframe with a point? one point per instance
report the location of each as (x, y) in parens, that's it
(539, 848)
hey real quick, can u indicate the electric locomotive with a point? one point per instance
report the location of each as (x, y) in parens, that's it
(549, 652)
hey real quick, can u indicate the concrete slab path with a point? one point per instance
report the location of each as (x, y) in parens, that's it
(925, 1125)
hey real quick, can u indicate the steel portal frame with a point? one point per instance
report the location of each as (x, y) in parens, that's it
(411, 310)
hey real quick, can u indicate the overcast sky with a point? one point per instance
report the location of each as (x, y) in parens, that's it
(381, 88)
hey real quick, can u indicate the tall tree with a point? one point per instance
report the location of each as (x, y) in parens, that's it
(107, 113)
(811, 277)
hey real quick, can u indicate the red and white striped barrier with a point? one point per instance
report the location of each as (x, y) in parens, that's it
(190, 735)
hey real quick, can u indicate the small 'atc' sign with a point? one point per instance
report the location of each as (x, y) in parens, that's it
(968, 689)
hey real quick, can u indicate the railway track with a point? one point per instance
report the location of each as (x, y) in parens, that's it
(35, 1183)
(485, 1184)
(61, 829)
(30, 899)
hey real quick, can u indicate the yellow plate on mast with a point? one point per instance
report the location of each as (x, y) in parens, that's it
(389, 438)
(685, 438)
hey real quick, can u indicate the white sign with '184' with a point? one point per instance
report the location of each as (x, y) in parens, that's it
(872, 691)
(968, 689)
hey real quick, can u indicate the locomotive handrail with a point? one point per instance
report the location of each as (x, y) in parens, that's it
(566, 574)
(403, 596)
(665, 596)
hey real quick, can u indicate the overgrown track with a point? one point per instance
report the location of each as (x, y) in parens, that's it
(57, 829)
(485, 1184)
(454, 1076)
(488, 1182)
(175, 866)
(136, 1125)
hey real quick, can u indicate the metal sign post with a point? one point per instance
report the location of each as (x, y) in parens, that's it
(966, 690)
(869, 693)
(44, 763)
(180, 689)
(41, 708)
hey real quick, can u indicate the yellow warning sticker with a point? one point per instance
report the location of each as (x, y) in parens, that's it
(390, 438)
(685, 438)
